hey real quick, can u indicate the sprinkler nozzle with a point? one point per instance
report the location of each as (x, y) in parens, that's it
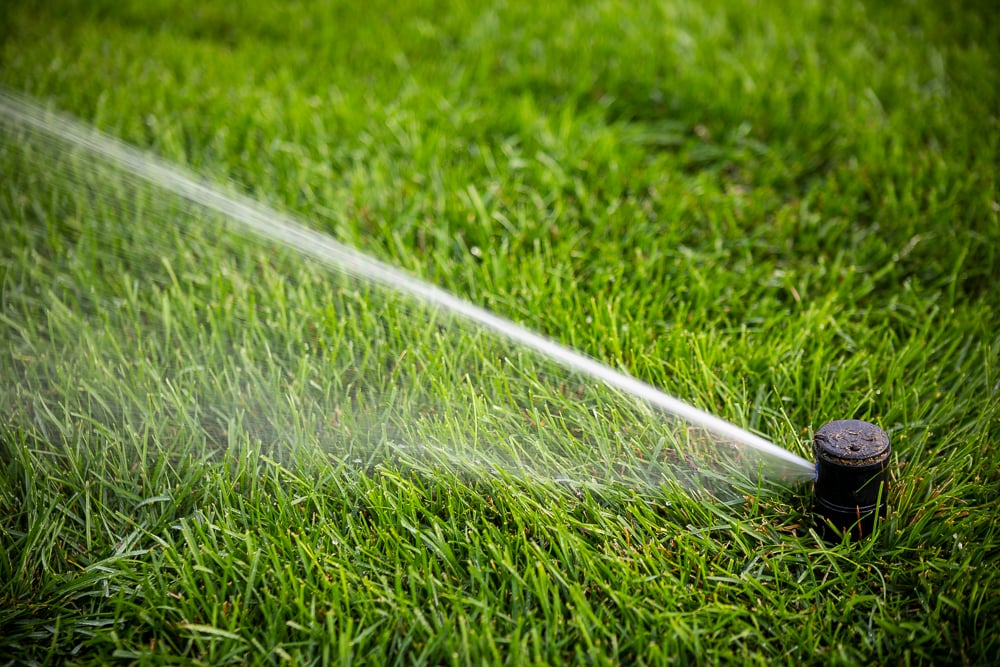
(852, 478)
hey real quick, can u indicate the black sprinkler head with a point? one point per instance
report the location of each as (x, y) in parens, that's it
(852, 475)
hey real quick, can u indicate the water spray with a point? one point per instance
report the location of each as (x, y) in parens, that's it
(851, 475)
(851, 456)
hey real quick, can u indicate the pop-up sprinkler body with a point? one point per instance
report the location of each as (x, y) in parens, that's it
(852, 478)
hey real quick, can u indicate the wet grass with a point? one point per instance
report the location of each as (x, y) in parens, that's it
(785, 215)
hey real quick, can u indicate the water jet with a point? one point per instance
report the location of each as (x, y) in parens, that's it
(412, 374)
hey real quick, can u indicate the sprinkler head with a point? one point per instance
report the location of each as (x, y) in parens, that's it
(852, 477)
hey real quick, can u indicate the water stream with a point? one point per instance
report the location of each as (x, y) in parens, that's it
(137, 261)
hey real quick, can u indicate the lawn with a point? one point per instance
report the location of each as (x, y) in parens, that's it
(214, 449)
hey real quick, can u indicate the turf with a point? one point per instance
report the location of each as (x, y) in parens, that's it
(785, 214)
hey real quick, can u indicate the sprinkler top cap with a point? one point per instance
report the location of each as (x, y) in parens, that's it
(851, 442)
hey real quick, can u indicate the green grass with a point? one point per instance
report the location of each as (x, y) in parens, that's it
(785, 214)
